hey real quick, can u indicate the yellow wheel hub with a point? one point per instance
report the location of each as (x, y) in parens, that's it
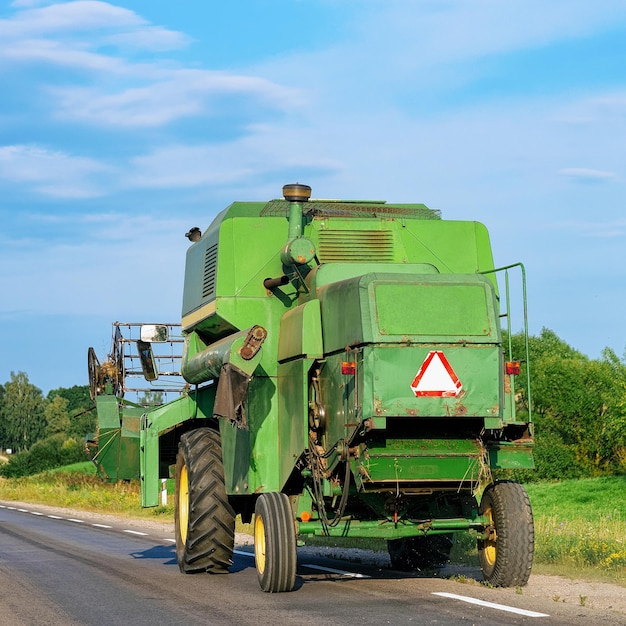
(259, 543)
(183, 504)
(491, 544)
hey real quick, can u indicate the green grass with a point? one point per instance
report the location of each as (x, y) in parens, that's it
(77, 486)
(580, 525)
(592, 499)
(85, 467)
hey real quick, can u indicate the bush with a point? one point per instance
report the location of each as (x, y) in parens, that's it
(554, 459)
(18, 465)
(44, 454)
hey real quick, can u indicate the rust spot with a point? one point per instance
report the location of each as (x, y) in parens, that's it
(412, 412)
(460, 409)
(507, 384)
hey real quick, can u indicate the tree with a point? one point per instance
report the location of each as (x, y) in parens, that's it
(22, 413)
(83, 422)
(80, 408)
(579, 408)
(77, 397)
(151, 398)
(3, 437)
(57, 417)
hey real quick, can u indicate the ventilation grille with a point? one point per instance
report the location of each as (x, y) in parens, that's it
(316, 208)
(355, 246)
(210, 269)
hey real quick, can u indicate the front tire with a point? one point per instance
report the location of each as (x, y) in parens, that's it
(506, 554)
(275, 543)
(204, 520)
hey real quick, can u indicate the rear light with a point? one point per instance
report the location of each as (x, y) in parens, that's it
(512, 368)
(348, 368)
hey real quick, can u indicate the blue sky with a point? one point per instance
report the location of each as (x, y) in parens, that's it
(122, 124)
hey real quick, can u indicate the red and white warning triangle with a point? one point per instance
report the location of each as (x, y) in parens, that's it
(436, 377)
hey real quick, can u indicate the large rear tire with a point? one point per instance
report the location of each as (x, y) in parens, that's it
(275, 543)
(204, 520)
(412, 554)
(506, 554)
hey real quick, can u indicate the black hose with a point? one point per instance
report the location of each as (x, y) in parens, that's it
(272, 283)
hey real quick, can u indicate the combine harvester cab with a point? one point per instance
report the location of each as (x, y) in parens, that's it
(348, 376)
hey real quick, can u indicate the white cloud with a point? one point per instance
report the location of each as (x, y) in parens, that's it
(441, 31)
(49, 52)
(50, 172)
(408, 51)
(113, 264)
(264, 150)
(116, 91)
(67, 34)
(155, 38)
(176, 94)
(29, 3)
(604, 107)
(586, 175)
(80, 15)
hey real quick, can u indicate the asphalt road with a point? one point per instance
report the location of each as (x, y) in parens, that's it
(69, 571)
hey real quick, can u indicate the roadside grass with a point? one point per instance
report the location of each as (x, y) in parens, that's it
(77, 487)
(580, 525)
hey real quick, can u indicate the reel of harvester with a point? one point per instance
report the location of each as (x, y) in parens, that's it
(109, 373)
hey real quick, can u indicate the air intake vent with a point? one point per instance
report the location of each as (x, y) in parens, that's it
(210, 267)
(355, 246)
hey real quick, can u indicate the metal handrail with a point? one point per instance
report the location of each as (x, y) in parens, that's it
(507, 314)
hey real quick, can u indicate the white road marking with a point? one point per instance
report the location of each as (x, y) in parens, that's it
(490, 605)
(244, 553)
(240, 552)
(335, 571)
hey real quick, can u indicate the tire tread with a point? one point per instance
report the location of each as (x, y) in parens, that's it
(211, 519)
(515, 535)
(280, 543)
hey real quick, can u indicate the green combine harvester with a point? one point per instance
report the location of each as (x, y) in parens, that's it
(345, 373)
